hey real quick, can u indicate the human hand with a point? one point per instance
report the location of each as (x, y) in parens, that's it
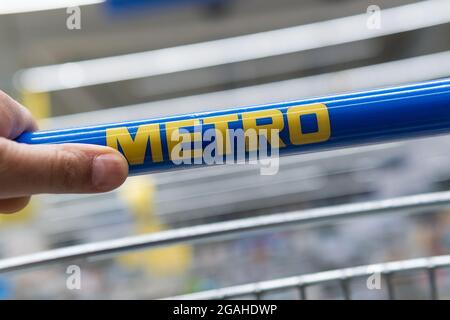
(26, 170)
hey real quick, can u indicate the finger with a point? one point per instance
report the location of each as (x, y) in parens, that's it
(14, 118)
(13, 205)
(66, 168)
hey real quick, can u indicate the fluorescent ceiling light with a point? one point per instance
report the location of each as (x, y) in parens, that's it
(20, 6)
(432, 66)
(242, 48)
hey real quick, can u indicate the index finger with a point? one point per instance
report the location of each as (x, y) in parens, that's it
(14, 118)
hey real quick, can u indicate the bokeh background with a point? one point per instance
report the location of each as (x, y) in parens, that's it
(117, 67)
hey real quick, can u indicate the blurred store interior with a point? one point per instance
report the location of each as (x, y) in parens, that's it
(142, 59)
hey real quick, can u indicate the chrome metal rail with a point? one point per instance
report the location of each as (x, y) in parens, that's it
(228, 229)
(342, 276)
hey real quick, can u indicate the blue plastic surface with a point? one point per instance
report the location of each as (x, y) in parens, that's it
(375, 116)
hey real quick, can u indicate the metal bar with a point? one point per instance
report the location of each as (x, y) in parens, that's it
(390, 286)
(434, 294)
(223, 51)
(302, 292)
(301, 126)
(419, 68)
(227, 229)
(320, 277)
(345, 286)
(258, 295)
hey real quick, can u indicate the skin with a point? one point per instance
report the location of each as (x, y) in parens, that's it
(26, 170)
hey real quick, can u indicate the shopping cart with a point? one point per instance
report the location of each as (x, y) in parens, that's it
(401, 112)
(343, 277)
(267, 224)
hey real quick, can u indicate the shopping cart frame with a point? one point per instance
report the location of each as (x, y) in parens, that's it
(343, 276)
(257, 225)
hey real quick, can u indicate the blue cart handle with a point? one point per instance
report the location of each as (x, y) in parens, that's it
(190, 140)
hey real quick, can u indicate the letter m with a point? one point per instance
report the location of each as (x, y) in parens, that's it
(135, 149)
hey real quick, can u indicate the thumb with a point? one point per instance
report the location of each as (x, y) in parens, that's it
(65, 168)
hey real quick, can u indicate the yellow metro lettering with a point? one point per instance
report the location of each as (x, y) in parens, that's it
(135, 150)
(221, 126)
(249, 122)
(253, 123)
(296, 135)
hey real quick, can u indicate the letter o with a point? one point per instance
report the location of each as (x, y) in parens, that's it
(296, 134)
